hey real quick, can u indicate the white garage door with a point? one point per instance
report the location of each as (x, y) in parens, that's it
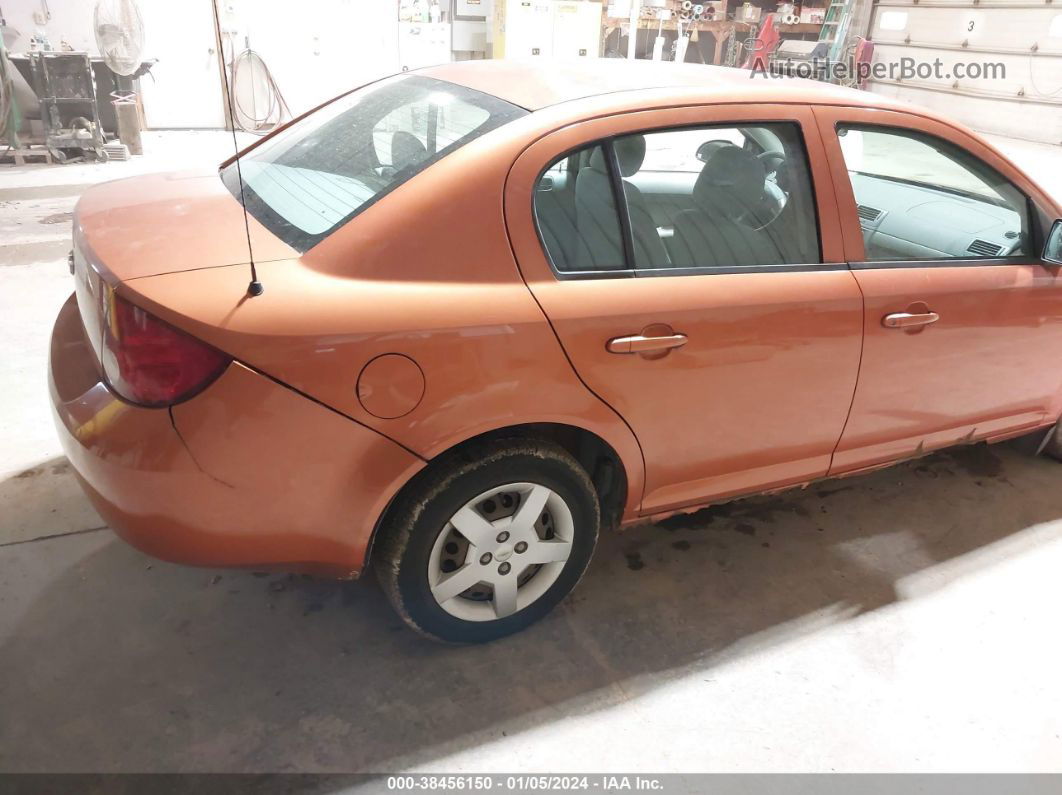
(1000, 62)
(184, 88)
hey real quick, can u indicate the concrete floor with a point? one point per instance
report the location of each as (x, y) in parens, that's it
(902, 621)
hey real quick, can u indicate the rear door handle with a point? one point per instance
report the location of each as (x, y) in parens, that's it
(639, 343)
(909, 319)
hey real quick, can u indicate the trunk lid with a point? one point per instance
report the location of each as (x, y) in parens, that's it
(166, 223)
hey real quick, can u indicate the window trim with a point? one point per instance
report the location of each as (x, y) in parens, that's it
(1031, 213)
(619, 195)
(785, 267)
(948, 262)
(615, 178)
(648, 273)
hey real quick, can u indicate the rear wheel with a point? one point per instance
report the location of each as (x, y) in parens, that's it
(489, 541)
(1052, 446)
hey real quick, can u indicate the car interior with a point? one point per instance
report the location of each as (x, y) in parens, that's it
(740, 196)
(921, 198)
(710, 198)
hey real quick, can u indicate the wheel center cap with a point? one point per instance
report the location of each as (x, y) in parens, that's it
(504, 554)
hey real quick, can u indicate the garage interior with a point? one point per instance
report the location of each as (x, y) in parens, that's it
(900, 621)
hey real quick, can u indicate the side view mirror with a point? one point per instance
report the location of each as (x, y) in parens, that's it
(1053, 247)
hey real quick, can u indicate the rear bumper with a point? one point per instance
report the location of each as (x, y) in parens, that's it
(247, 473)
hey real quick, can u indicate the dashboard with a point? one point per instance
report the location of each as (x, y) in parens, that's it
(908, 220)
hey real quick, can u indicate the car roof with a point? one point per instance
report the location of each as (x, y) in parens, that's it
(537, 83)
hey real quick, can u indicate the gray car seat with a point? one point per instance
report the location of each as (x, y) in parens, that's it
(595, 212)
(556, 223)
(722, 231)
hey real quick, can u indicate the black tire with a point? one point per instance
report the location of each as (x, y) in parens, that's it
(1052, 445)
(403, 548)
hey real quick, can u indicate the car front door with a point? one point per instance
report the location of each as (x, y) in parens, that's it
(963, 321)
(727, 336)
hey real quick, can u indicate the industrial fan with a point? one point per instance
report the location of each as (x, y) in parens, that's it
(119, 34)
(120, 37)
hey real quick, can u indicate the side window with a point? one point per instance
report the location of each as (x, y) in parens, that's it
(920, 197)
(696, 197)
(719, 197)
(576, 213)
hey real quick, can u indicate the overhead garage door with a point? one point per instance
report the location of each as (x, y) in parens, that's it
(1000, 62)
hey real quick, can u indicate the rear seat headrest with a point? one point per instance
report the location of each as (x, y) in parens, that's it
(630, 152)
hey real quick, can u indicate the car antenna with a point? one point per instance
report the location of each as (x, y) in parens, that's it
(255, 287)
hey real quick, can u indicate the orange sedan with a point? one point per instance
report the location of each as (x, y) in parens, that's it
(496, 307)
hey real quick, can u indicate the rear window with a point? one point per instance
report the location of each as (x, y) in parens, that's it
(320, 172)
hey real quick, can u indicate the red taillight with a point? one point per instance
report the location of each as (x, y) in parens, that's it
(149, 362)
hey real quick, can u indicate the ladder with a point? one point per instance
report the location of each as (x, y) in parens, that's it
(835, 27)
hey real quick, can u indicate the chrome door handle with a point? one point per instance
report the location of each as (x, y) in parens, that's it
(909, 320)
(640, 344)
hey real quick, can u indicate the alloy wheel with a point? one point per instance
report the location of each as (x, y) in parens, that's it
(500, 552)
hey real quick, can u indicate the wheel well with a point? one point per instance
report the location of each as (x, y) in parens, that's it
(592, 452)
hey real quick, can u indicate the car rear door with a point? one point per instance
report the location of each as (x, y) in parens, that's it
(963, 321)
(734, 377)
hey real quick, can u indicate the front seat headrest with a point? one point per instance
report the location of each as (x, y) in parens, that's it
(406, 150)
(630, 152)
(732, 178)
